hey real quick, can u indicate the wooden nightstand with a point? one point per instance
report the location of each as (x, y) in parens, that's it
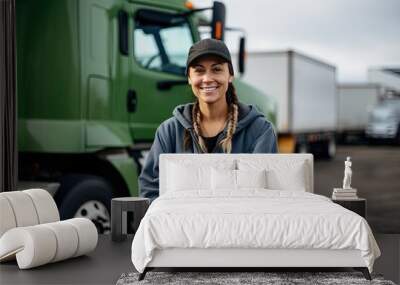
(358, 206)
(121, 208)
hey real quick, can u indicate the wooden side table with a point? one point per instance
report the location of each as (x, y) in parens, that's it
(358, 206)
(120, 207)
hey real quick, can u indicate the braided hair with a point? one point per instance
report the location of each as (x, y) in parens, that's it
(226, 143)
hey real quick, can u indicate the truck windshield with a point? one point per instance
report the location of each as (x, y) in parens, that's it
(391, 103)
(162, 41)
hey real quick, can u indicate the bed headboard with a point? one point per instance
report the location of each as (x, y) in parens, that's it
(210, 159)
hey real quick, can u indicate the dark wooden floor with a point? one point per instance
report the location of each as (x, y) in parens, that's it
(376, 175)
(106, 264)
(102, 266)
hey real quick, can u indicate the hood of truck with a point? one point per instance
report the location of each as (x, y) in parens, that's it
(251, 95)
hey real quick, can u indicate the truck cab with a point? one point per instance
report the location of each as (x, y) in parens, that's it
(95, 78)
(384, 120)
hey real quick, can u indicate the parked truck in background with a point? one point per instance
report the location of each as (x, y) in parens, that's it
(355, 103)
(306, 95)
(95, 78)
(384, 120)
(386, 76)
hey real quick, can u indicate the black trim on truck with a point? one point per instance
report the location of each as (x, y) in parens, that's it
(123, 32)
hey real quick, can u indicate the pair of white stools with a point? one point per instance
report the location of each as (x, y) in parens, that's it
(31, 231)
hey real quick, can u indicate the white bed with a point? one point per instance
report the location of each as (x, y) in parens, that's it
(247, 210)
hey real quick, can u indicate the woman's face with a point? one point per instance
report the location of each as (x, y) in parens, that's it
(209, 78)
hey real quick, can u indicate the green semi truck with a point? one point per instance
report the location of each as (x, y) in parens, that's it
(95, 78)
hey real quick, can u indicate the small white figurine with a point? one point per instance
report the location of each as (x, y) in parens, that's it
(347, 174)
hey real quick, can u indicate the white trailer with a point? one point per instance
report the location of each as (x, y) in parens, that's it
(355, 102)
(305, 89)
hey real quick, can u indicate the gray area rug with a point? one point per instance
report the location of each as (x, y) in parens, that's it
(229, 278)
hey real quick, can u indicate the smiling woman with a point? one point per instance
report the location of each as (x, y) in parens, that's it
(215, 123)
(210, 73)
(209, 79)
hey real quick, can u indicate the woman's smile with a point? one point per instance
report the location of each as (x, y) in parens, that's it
(208, 90)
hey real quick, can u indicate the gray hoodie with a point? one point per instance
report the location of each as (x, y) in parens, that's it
(253, 134)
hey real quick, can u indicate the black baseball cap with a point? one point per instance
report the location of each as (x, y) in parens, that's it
(209, 47)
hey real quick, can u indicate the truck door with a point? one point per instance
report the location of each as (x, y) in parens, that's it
(161, 40)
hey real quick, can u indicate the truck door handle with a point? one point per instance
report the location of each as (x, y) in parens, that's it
(131, 101)
(168, 84)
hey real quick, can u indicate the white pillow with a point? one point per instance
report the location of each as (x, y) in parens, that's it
(251, 178)
(223, 179)
(190, 174)
(236, 179)
(183, 178)
(281, 174)
(293, 179)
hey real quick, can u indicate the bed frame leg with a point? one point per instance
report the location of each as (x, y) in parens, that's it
(143, 274)
(364, 271)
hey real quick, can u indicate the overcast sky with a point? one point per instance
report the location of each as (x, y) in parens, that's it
(353, 35)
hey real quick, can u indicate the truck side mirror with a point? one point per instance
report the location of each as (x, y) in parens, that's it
(242, 55)
(218, 20)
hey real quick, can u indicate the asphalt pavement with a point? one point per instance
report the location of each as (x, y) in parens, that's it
(376, 176)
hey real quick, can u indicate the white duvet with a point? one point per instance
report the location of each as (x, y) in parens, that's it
(252, 218)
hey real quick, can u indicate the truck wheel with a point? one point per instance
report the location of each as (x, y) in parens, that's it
(140, 158)
(372, 141)
(341, 138)
(397, 139)
(86, 196)
(329, 149)
(302, 148)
